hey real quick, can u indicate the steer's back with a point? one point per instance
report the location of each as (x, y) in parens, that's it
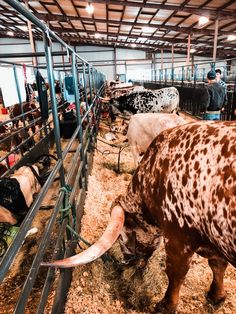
(144, 127)
(187, 179)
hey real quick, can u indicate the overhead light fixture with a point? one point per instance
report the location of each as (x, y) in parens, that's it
(10, 33)
(24, 28)
(133, 45)
(231, 37)
(192, 50)
(90, 8)
(146, 29)
(203, 20)
(97, 35)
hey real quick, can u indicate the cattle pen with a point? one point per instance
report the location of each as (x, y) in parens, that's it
(70, 165)
(81, 173)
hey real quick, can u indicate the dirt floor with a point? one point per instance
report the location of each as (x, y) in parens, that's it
(111, 288)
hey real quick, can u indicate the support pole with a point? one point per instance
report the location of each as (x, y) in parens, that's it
(172, 63)
(31, 38)
(188, 50)
(154, 66)
(215, 40)
(115, 67)
(125, 71)
(162, 66)
(90, 84)
(54, 104)
(19, 95)
(85, 86)
(78, 116)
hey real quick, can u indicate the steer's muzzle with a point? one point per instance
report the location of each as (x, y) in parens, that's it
(100, 247)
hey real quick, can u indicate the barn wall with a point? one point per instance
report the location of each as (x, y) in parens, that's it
(130, 63)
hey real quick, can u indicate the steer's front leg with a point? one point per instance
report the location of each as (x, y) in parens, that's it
(177, 265)
(216, 293)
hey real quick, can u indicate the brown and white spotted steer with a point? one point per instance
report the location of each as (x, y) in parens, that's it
(184, 187)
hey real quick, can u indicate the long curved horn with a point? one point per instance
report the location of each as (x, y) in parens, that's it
(100, 247)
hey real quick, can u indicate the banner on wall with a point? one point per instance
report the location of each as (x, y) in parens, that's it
(8, 85)
(69, 95)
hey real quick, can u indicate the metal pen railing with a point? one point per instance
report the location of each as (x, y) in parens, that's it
(76, 174)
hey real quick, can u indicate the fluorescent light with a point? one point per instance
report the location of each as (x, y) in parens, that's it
(231, 37)
(97, 35)
(133, 45)
(10, 33)
(24, 28)
(90, 8)
(147, 29)
(203, 20)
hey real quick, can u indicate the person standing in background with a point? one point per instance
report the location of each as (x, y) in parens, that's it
(215, 98)
(223, 84)
(219, 80)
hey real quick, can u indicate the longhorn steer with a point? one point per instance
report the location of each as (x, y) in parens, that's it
(185, 188)
(144, 127)
(16, 194)
(160, 100)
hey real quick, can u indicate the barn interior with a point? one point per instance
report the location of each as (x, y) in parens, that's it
(62, 65)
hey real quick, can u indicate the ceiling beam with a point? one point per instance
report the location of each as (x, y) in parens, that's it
(179, 29)
(156, 38)
(68, 18)
(206, 52)
(211, 13)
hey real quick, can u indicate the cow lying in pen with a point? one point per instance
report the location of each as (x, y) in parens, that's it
(144, 127)
(185, 189)
(16, 194)
(160, 100)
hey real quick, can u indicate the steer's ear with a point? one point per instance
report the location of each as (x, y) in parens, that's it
(106, 241)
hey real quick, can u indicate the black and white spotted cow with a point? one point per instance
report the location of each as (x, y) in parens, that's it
(16, 194)
(160, 100)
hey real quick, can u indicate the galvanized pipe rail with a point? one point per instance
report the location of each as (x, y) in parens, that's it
(80, 182)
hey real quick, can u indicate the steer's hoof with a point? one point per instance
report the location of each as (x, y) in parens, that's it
(163, 308)
(215, 299)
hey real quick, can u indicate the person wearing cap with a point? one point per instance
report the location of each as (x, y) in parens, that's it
(215, 98)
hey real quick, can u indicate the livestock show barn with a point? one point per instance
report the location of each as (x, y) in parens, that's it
(118, 156)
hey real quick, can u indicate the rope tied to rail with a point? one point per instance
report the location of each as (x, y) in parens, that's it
(67, 205)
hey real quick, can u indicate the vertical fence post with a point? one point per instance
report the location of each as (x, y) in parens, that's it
(195, 74)
(182, 79)
(172, 75)
(19, 94)
(85, 86)
(57, 134)
(21, 108)
(166, 76)
(78, 116)
(90, 85)
(224, 72)
(213, 65)
(203, 74)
